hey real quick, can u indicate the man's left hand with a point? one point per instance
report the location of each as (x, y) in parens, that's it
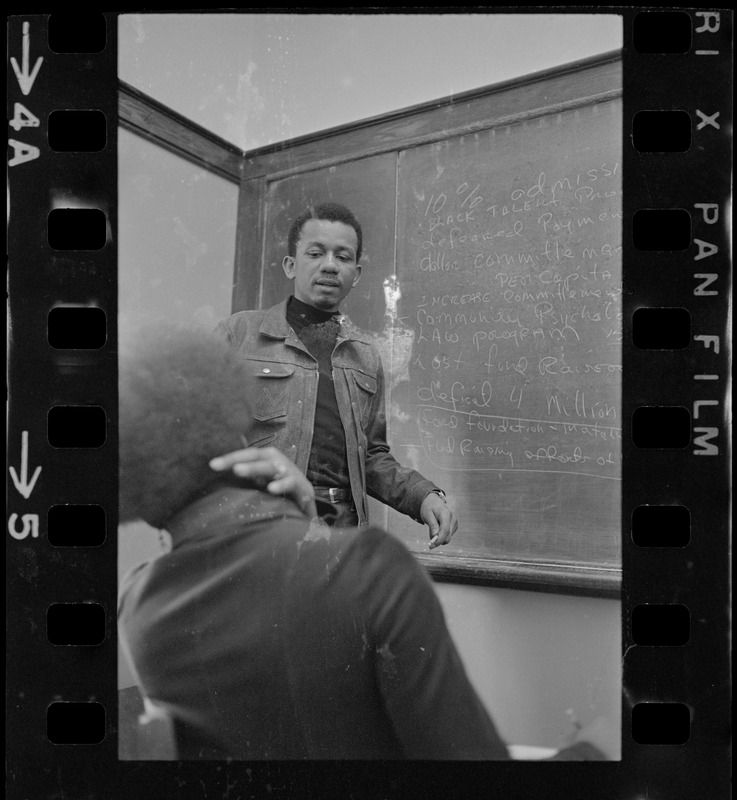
(439, 518)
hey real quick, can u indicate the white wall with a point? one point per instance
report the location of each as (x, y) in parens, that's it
(177, 227)
(531, 656)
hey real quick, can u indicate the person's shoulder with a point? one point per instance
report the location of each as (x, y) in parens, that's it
(376, 572)
(356, 546)
(244, 318)
(374, 546)
(243, 324)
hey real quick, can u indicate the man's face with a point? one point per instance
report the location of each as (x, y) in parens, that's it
(324, 268)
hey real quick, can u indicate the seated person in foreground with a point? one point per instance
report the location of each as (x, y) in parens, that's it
(262, 634)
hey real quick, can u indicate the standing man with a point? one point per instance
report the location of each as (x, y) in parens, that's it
(320, 394)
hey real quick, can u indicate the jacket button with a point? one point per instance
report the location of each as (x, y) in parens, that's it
(266, 369)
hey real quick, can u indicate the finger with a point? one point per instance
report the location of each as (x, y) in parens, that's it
(434, 529)
(449, 523)
(229, 460)
(264, 463)
(281, 471)
(308, 508)
(286, 480)
(282, 485)
(444, 533)
(256, 469)
(292, 487)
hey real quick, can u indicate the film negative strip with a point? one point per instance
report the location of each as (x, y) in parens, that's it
(62, 107)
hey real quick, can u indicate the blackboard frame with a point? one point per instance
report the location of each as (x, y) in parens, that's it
(574, 579)
(552, 91)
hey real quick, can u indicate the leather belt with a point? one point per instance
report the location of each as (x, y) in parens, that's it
(333, 495)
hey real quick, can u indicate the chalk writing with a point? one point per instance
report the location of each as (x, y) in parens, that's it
(516, 362)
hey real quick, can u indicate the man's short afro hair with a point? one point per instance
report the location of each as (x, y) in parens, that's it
(332, 212)
(185, 397)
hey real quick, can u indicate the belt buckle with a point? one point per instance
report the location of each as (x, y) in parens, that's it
(334, 495)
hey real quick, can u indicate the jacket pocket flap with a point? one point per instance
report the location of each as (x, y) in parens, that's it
(272, 369)
(366, 382)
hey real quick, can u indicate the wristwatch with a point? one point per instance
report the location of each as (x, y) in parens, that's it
(440, 493)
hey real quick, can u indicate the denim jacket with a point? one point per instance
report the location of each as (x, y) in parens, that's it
(286, 396)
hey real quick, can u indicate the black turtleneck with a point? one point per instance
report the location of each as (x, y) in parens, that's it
(318, 331)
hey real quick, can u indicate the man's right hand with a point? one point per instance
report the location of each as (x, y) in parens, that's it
(270, 466)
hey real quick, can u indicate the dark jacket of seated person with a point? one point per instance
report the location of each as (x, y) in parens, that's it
(262, 634)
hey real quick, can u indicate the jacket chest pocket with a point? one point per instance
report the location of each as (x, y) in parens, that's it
(364, 390)
(272, 391)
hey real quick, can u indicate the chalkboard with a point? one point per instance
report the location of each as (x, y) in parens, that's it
(510, 280)
(492, 285)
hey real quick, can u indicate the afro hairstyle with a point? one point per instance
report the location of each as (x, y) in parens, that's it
(184, 397)
(332, 212)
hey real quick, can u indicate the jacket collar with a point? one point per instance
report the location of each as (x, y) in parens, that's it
(226, 511)
(275, 326)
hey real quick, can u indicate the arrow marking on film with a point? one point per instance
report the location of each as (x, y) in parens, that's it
(22, 484)
(26, 78)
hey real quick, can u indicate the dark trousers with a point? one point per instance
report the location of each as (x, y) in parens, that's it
(343, 516)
